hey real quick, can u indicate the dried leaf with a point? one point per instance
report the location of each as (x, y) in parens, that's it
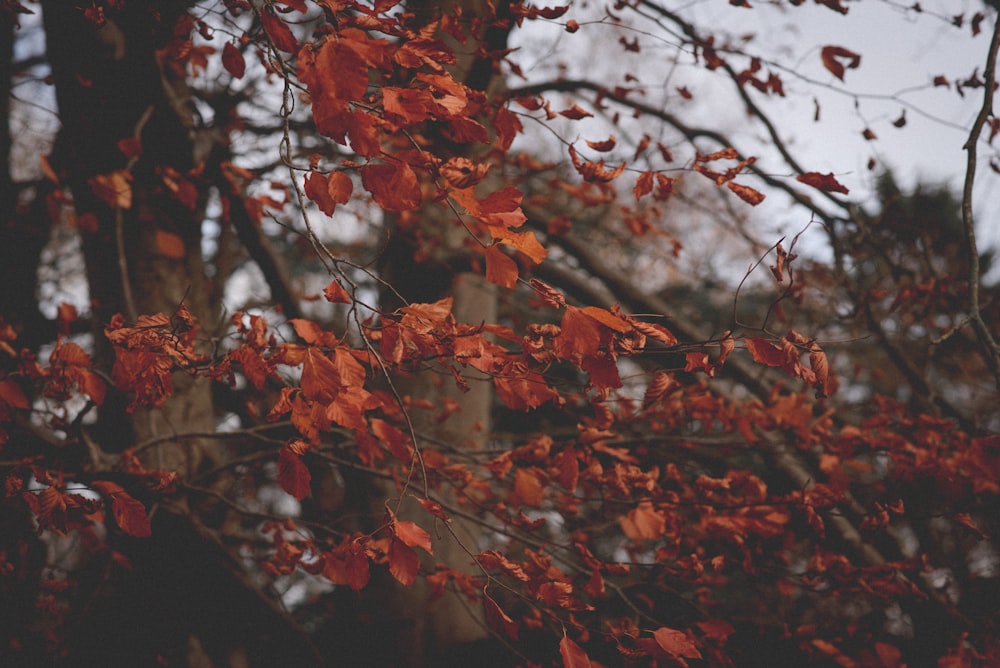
(824, 182)
(403, 563)
(572, 654)
(831, 56)
(293, 475)
(232, 60)
(412, 535)
(676, 643)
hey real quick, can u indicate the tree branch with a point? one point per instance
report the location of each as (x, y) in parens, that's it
(989, 344)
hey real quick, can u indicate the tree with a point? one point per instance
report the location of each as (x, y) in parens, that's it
(504, 424)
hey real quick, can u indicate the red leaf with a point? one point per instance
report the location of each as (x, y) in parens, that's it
(129, 514)
(507, 125)
(497, 618)
(328, 191)
(765, 352)
(572, 654)
(403, 563)
(279, 33)
(412, 535)
(830, 55)
(500, 269)
(575, 113)
(11, 395)
(824, 182)
(676, 643)
(293, 475)
(232, 60)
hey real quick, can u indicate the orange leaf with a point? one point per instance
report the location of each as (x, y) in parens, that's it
(644, 522)
(825, 383)
(500, 269)
(503, 208)
(115, 189)
(547, 293)
(607, 319)
(434, 508)
(394, 440)
(525, 242)
(746, 193)
(572, 654)
(528, 488)
(403, 563)
(507, 125)
(676, 643)
(335, 293)
(492, 559)
(824, 182)
(412, 535)
(321, 379)
(643, 185)
(726, 347)
(170, 245)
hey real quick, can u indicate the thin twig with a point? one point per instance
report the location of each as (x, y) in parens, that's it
(986, 340)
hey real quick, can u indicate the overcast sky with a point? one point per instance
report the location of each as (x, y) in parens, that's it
(901, 53)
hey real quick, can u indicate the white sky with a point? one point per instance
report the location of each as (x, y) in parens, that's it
(901, 53)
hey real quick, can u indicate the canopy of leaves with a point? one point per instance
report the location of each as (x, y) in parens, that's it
(643, 453)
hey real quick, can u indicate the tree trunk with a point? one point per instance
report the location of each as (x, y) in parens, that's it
(186, 599)
(451, 629)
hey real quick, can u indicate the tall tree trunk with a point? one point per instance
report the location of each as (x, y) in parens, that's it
(186, 600)
(448, 630)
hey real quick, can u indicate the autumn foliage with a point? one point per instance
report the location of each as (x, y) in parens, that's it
(799, 469)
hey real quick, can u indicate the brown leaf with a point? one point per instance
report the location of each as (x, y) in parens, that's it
(676, 643)
(746, 193)
(831, 56)
(572, 654)
(403, 563)
(500, 269)
(412, 535)
(603, 146)
(293, 475)
(824, 182)
(232, 60)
